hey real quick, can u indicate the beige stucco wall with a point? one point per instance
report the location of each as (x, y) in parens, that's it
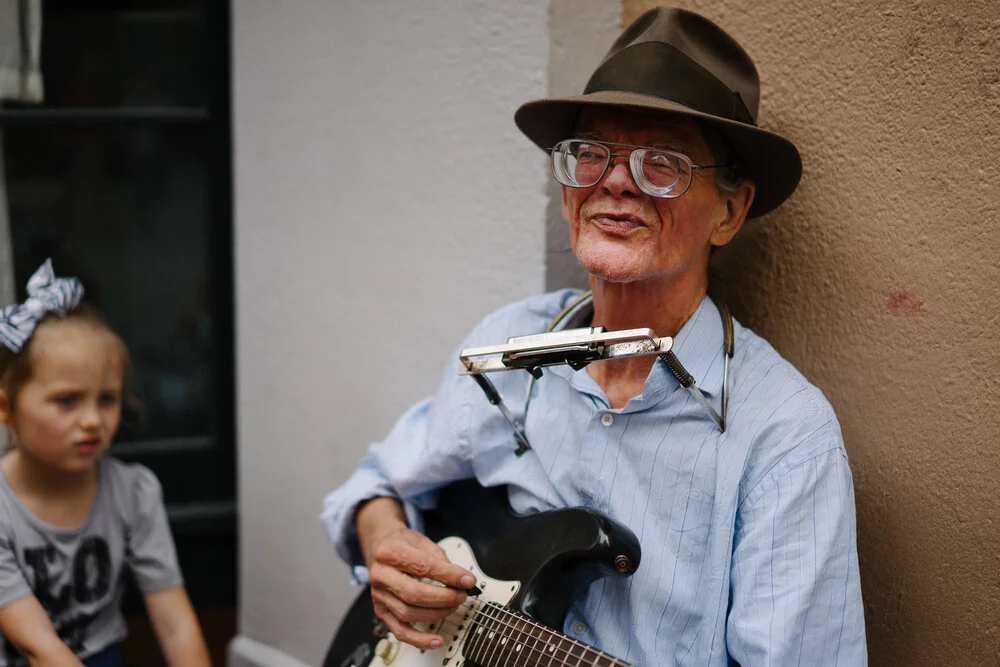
(879, 280)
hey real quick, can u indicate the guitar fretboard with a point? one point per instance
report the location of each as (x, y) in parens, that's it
(498, 636)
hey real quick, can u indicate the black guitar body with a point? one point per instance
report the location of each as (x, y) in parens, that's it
(554, 555)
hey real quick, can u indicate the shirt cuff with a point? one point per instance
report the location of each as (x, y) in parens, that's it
(340, 506)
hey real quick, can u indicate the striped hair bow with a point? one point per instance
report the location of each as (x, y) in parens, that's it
(46, 294)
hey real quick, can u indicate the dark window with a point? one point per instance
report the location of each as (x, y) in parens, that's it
(123, 177)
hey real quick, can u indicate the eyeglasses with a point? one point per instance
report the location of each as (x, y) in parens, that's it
(582, 163)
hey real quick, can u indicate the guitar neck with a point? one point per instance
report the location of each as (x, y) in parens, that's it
(497, 636)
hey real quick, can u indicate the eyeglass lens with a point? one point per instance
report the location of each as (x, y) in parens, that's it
(581, 164)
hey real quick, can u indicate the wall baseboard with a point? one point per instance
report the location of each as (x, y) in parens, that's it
(246, 652)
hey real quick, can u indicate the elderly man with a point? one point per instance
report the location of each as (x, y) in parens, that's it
(737, 486)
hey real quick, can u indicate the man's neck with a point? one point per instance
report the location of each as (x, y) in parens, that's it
(663, 306)
(660, 306)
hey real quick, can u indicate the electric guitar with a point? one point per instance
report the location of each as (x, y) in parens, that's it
(527, 569)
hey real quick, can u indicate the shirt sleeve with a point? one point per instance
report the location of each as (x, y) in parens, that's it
(431, 445)
(796, 590)
(426, 449)
(150, 551)
(13, 584)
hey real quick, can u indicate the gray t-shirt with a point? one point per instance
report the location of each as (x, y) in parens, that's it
(77, 574)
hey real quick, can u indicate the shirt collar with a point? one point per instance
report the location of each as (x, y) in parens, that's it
(698, 345)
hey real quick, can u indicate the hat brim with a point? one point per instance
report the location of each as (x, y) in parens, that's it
(769, 160)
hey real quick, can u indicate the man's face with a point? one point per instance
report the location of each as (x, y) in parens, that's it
(622, 235)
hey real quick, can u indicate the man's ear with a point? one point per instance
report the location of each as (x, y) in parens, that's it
(737, 206)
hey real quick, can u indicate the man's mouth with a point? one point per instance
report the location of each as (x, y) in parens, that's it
(617, 223)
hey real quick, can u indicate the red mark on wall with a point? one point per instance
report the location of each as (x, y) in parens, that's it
(903, 301)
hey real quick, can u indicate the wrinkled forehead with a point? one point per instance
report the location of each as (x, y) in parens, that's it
(641, 128)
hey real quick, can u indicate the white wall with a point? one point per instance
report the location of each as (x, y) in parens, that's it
(572, 59)
(384, 202)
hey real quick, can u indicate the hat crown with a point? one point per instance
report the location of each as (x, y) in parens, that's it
(666, 35)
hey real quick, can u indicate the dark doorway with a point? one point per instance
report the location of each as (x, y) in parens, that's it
(123, 177)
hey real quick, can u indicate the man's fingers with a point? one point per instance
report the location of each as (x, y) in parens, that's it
(421, 561)
(413, 592)
(404, 632)
(409, 613)
(412, 581)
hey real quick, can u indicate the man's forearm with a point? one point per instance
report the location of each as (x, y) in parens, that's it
(375, 518)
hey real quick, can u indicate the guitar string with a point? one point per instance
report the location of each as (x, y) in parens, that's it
(482, 616)
(553, 657)
(586, 648)
(499, 645)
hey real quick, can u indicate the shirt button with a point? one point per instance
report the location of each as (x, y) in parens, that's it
(579, 628)
(607, 419)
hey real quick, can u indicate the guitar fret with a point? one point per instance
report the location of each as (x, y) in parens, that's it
(509, 639)
(579, 656)
(494, 658)
(534, 654)
(549, 649)
(516, 647)
(563, 659)
(473, 643)
(514, 640)
(482, 633)
(498, 637)
(598, 656)
(512, 648)
(602, 659)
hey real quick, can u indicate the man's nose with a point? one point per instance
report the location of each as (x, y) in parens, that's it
(618, 179)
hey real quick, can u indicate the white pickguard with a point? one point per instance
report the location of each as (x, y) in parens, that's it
(456, 627)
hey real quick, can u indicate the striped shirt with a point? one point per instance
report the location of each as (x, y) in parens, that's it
(748, 537)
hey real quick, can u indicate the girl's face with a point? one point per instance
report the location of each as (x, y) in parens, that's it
(68, 411)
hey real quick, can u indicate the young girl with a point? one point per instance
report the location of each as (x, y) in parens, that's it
(72, 519)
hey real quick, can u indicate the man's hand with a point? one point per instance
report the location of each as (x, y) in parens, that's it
(397, 559)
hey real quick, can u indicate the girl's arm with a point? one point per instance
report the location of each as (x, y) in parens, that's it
(177, 628)
(26, 625)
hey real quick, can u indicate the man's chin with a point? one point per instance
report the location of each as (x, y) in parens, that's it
(610, 269)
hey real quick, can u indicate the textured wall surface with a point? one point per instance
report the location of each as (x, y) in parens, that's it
(384, 202)
(879, 280)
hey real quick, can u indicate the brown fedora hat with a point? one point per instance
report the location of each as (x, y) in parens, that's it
(677, 61)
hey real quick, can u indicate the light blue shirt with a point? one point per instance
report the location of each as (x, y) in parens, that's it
(749, 547)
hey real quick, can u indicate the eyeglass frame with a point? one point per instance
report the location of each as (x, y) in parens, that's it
(634, 163)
